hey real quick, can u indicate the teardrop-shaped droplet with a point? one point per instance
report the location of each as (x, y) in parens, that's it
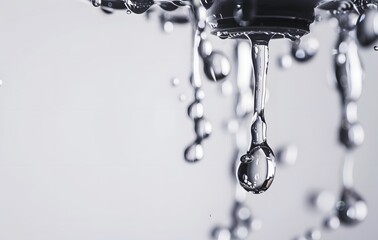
(216, 66)
(138, 6)
(203, 128)
(351, 208)
(257, 168)
(351, 135)
(367, 28)
(194, 152)
(205, 48)
(305, 49)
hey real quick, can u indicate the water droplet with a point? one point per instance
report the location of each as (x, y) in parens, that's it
(285, 61)
(96, 3)
(205, 48)
(287, 155)
(232, 126)
(175, 82)
(138, 6)
(207, 3)
(332, 223)
(107, 10)
(216, 66)
(323, 200)
(199, 94)
(257, 168)
(203, 128)
(241, 212)
(194, 152)
(168, 6)
(195, 110)
(182, 97)
(256, 224)
(367, 28)
(313, 234)
(1, 82)
(351, 208)
(304, 49)
(221, 233)
(226, 88)
(351, 135)
(168, 27)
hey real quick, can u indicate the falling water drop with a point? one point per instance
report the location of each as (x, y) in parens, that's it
(304, 49)
(257, 168)
(138, 6)
(194, 152)
(351, 208)
(216, 66)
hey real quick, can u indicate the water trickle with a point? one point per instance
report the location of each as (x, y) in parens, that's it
(257, 168)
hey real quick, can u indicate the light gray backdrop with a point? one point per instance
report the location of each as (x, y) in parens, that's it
(92, 133)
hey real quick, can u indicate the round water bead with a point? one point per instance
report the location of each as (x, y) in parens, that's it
(168, 6)
(205, 48)
(257, 168)
(175, 82)
(351, 209)
(240, 231)
(367, 28)
(285, 61)
(203, 128)
(304, 49)
(332, 223)
(216, 66)
(323, 201)
(313, 234)
(195, 110)
(351, 135)
(96, 3)
(241, 213)
(194, 152)
(139, 6)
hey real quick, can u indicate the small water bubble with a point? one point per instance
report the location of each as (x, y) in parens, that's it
(285, 61)
(203, 128)
(175, 82)
(138, 6)
(195, 110)
(305, 49)
(332, 223)
(194, 152)
(351, 209)
(351, 135)
(216, 66)
(313, 234)
(259, 161)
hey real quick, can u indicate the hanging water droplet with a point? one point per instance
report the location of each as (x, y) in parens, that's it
(195, 110)
(285, 61)
(203, 128)
(175, 82)
(256, 170)
(96, 3)
(351, 208)
(194, 152)
(351, 135)
(138, 6)
(304, 49)
(287, 155)
(332, 223)
(216, 66)
(367, 28)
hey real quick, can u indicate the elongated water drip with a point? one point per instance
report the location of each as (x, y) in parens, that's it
(257, 168)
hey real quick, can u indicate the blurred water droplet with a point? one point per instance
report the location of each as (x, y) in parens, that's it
(351, 135)
(351, 208)
(323, 200)
(207, 3)
(240, 231)
(205, 48)
(367, 28)
(96, 3)
(182, 97)
(332, 223)
(287, 155)
(304, 49)
(285, 61)
(221, 233)
(175, 82)
(256, 224)
(168, 27)
(216, 66)
(313, 234)
(199, 94)
(1, 82)
(227, 88)
(194, 152)
(232, 126)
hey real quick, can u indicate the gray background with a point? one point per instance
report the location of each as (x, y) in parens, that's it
(92, 133)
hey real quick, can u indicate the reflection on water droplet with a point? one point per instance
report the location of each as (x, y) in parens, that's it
(221, 233)
(351, 208)
(216, 66)
(138, 6)
(332, 223)
(351, 135)
(194, 152)
(96, 3)
(195, 110)
(205, 48)
(259, 162)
